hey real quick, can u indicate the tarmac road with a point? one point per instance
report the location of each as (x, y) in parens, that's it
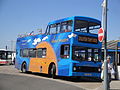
(16, 82)
(12, 79)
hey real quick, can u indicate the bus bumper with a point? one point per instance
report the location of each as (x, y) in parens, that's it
(86, 74)
(4, 62)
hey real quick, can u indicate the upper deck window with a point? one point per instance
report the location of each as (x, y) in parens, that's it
(53, 29)
(85, 26)
(66, 26)
(59, 27)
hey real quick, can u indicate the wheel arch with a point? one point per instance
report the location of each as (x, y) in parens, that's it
(23, 63)
(50, 65)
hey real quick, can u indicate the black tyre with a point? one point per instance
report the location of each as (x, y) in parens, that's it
(24, 68)
(52, 71)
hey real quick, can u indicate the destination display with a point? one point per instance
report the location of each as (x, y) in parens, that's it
(87, 39)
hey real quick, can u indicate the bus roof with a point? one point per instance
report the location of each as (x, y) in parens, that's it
(75, 18)
(2, 49)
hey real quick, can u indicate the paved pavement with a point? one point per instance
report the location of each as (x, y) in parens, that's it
(10, 70)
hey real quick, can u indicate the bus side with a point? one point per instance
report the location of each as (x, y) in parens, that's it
(41, 57)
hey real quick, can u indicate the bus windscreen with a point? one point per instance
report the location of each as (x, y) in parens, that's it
(85, 26)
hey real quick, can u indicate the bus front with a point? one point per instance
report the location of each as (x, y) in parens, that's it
(5, 57)
(86, 49)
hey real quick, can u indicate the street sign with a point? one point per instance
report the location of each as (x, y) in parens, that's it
(100, 34)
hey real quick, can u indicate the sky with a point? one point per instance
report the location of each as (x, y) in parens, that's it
(21, 16)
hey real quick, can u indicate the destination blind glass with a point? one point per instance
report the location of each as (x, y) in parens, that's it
(87, 39)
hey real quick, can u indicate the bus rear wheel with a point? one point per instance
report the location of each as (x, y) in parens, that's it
(24, 68)
(52, 71)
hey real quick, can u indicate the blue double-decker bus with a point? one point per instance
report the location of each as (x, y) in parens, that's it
(69, 47)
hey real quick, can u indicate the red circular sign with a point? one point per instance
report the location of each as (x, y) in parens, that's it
(100, 35)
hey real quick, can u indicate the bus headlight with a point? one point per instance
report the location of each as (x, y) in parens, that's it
(74, 68)
(99, 69)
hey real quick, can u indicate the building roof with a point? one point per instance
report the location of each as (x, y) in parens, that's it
(112, 44)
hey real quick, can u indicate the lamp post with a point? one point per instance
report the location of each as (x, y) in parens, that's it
(104, 25)
(116, 61)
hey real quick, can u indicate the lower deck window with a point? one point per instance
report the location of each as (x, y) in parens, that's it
(32, 52)
(41, 52)
(2, 55)
(24, 53)
(65, 51)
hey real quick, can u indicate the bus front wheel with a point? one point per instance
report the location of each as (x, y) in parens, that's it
(24, 68)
